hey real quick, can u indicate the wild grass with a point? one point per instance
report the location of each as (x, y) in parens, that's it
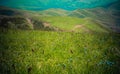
(45, 52)
(68, 23)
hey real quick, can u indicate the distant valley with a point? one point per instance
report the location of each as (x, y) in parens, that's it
(107, 18)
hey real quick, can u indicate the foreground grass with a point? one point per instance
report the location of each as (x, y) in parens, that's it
(40, 52)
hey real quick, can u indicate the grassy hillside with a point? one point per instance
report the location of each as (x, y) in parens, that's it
(40, 52)
(108, 16)
(56, 41)
(53, 12)
(73, 23)
(52, 23)
(107, 19)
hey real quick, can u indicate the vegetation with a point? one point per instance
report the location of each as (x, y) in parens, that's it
(77, 43)
(40, 52)
(69, 23)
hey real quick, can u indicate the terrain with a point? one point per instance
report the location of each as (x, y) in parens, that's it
(58, 41)
(103, 19)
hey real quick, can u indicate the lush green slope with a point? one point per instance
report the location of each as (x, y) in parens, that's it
(56, 41)
(108, 16)
(53, 12)
(16, 19)
(95, 19)
(40, 52)
(74, 24)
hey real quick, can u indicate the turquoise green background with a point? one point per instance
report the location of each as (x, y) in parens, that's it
(46, 4)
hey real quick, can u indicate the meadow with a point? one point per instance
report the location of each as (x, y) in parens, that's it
(75, 24)
(49, 52)
(57, 41)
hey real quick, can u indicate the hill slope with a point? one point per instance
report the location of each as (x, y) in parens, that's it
(100, 19)
(108, 16)
(41, 43)
(52, 20)
(41, 52)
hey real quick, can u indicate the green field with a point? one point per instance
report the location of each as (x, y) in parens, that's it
(57, 41)
(66, 23)
(45, 52)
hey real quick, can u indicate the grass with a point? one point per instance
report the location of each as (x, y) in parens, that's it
(45, 52)
(41, 50)
(68, 23)
(59, 52)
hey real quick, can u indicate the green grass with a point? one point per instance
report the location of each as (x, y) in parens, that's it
(59, 52)
(53, 12)
(44, 52)
(68, 23)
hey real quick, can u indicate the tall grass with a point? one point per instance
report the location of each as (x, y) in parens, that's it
(44, 52)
